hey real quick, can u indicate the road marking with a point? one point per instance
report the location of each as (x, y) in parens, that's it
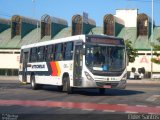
(66, 108)
(153, 98)
(109, 111)
(102, 103)
(151, 113)
(141, 105)
(82, 106)
(130, 112)
(88, 109)
(122, 104)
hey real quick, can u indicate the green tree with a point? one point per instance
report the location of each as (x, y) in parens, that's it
(156, 48)
(131, 52)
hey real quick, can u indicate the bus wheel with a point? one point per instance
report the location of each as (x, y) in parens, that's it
(66, 85)
(33, 83)
(101, 91)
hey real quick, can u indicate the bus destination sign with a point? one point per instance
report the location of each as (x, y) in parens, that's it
(106, 41)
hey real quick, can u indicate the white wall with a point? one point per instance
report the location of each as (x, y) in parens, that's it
(129, 16)
(144, 61)
(9, 60)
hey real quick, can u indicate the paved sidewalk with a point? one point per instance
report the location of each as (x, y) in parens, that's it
(8, 77)
(144, 81)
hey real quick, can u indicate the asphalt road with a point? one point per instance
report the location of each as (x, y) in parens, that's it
(19, 101)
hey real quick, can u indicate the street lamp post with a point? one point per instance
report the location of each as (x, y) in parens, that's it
(152, 38)
(34, 14)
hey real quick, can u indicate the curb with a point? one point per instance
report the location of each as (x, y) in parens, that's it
(8, 77)
(147, 81)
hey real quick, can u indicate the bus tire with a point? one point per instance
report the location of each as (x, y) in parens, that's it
(66, 85)
(102, 91)
(69, 88)
(34, 86)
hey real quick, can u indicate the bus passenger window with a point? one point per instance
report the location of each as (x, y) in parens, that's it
(58, 53)
(41, 54)
(49, 52)
(68, 51)
(33, 55)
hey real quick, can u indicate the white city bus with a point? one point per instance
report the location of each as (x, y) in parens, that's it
(83, 61)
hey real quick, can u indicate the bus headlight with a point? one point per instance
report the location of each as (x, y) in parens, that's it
(88, 76)
(124, 77)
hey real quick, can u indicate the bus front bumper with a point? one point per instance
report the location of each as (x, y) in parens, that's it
(112, 84)
(104, 84)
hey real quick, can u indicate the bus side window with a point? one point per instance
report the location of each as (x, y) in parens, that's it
(58, 52)
(33, 55)
(52, 53)
(49, 52)
(41, 53)
(68, 51)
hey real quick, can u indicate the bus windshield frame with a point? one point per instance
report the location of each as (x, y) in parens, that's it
(105, 56)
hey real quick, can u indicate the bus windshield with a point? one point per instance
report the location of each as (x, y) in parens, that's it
(105, 58)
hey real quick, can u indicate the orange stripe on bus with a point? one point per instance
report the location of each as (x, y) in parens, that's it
(58, 68)
(54, 68)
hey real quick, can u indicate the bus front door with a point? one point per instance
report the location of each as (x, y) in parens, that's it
(25, 61)
(78, 57)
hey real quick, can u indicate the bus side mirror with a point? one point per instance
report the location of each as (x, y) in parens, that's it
(128, 51)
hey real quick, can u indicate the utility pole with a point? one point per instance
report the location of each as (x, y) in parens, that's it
(152, 38)
(34, 14)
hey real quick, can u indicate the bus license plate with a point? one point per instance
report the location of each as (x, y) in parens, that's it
(107, 86)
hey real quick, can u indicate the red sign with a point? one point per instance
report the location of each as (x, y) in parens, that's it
(18, 58)
(144, 60)
(158, 58)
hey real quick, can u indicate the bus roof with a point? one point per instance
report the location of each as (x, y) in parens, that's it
(54, 41)
(66, 39)
(106, 36)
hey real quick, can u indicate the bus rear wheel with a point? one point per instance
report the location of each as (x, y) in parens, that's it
(34, 86)
(66, 85)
